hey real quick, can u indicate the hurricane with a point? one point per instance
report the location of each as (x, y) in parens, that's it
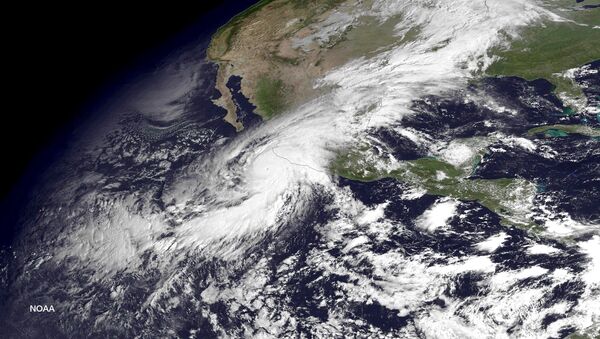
(396, 198)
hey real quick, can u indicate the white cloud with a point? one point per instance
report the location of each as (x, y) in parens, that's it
(438, 215)
(492, 243)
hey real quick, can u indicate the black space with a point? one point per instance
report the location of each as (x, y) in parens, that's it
(60, 56)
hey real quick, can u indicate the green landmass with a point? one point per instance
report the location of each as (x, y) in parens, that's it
(270, 96)
(548, 49)
(506, 197)
(582, 336)
(565, 130)
(259, 44)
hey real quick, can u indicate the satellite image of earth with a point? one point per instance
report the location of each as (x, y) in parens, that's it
(331, 169)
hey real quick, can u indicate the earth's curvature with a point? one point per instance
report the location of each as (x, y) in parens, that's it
(333, 169)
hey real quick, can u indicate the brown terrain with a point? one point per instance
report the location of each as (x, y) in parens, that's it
(280, 47)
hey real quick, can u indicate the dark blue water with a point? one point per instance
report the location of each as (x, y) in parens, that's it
(570, 178)
(245, 109)
(196, 35)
